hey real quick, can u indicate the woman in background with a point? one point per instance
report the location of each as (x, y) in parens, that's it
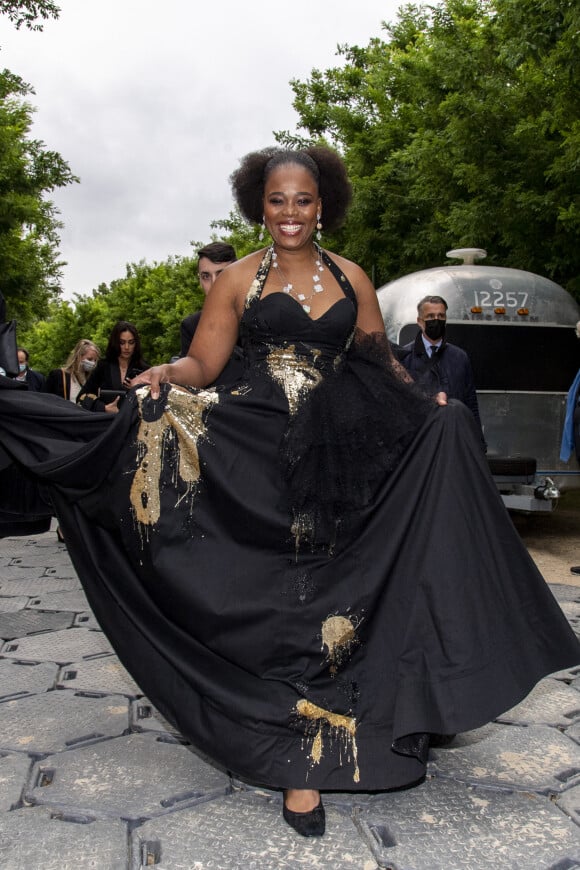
(123, 361)
(68, 381)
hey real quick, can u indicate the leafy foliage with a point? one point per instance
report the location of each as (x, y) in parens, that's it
(155, 297)
(28, 12)
(29, 266)
(462, 128)
(243, 237)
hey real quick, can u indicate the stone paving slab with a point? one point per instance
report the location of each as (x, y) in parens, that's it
(25, 622)
(9, 604)
(58, 646)
(32, 838)
(36, 585)
(74, 600)
(563, 592)
(86, 619)
(571, 611)
(133, 777)
(104, 675)
(14, 772)
(551, 702)
(569, 802)
(536, 759)
(568, 676)
(22, 678)
(14, 573)
(55, 721)
(204, 838)
(145, 717)
(43, 558)
(445, 825)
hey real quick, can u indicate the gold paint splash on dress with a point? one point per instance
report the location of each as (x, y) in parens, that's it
(339, 637)
(297, 377)
(253, 292)
(341, 727)
(180, 429)
(294, 374)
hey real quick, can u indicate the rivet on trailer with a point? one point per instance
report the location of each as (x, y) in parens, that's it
(519, 331)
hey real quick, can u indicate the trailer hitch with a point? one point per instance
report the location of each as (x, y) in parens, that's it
(547, 490)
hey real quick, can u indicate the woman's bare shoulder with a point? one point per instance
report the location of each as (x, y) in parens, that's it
(246, 267)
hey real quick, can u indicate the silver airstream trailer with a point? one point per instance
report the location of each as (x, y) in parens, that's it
(518, 329)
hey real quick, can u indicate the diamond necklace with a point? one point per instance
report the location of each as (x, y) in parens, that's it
(287, 287)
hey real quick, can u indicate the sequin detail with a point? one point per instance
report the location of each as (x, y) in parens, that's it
(302, 585)
(169, 442)
(323, 724)
(293, 373)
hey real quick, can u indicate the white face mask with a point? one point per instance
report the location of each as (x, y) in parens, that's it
(88, 365)
(22, 367)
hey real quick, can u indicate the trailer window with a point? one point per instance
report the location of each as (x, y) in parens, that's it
(542, 358)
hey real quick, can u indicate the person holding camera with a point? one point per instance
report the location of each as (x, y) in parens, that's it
(112, 376)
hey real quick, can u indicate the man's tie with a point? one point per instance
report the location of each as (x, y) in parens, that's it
(433, 349)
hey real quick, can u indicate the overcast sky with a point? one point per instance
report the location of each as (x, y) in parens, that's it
(152, 104)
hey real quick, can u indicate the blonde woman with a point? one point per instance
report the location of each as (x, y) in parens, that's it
(68, 381)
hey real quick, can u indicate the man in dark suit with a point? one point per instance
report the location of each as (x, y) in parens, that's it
(212, 260)
(33, 380)
(436, 365)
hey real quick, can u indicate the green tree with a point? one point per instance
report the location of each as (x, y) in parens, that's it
(235, 231)
(30, 269)
(155, 297)
(28, 12)
(461, 128)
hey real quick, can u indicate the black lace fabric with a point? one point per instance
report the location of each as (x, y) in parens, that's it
(348, 435)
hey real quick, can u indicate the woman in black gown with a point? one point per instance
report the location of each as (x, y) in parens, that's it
(310, 570)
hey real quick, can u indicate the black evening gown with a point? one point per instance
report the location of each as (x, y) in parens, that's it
(306, 571)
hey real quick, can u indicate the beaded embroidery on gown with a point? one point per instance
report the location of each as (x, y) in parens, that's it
(297, 640)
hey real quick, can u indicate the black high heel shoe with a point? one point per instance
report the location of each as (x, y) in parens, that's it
(311, 824)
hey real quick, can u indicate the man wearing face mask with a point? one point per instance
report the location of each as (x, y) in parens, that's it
(34, 380)
(436, 365)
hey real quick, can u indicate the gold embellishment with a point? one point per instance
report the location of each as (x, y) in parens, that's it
(293, 373)
(302, 528)
(254, 291)
(177, 432)
(342, 728)
(339, 638)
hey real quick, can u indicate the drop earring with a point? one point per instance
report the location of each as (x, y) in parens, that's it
(318, 228)
(262, 230)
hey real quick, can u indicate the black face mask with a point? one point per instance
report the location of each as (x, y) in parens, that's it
(435, 329)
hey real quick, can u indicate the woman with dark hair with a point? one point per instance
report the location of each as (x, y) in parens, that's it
(309, 572)
(122, 362)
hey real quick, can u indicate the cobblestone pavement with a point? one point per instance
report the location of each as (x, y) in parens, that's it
(91, 776)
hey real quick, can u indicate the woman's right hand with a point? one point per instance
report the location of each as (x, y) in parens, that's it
(154, 376)
(113, 407)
